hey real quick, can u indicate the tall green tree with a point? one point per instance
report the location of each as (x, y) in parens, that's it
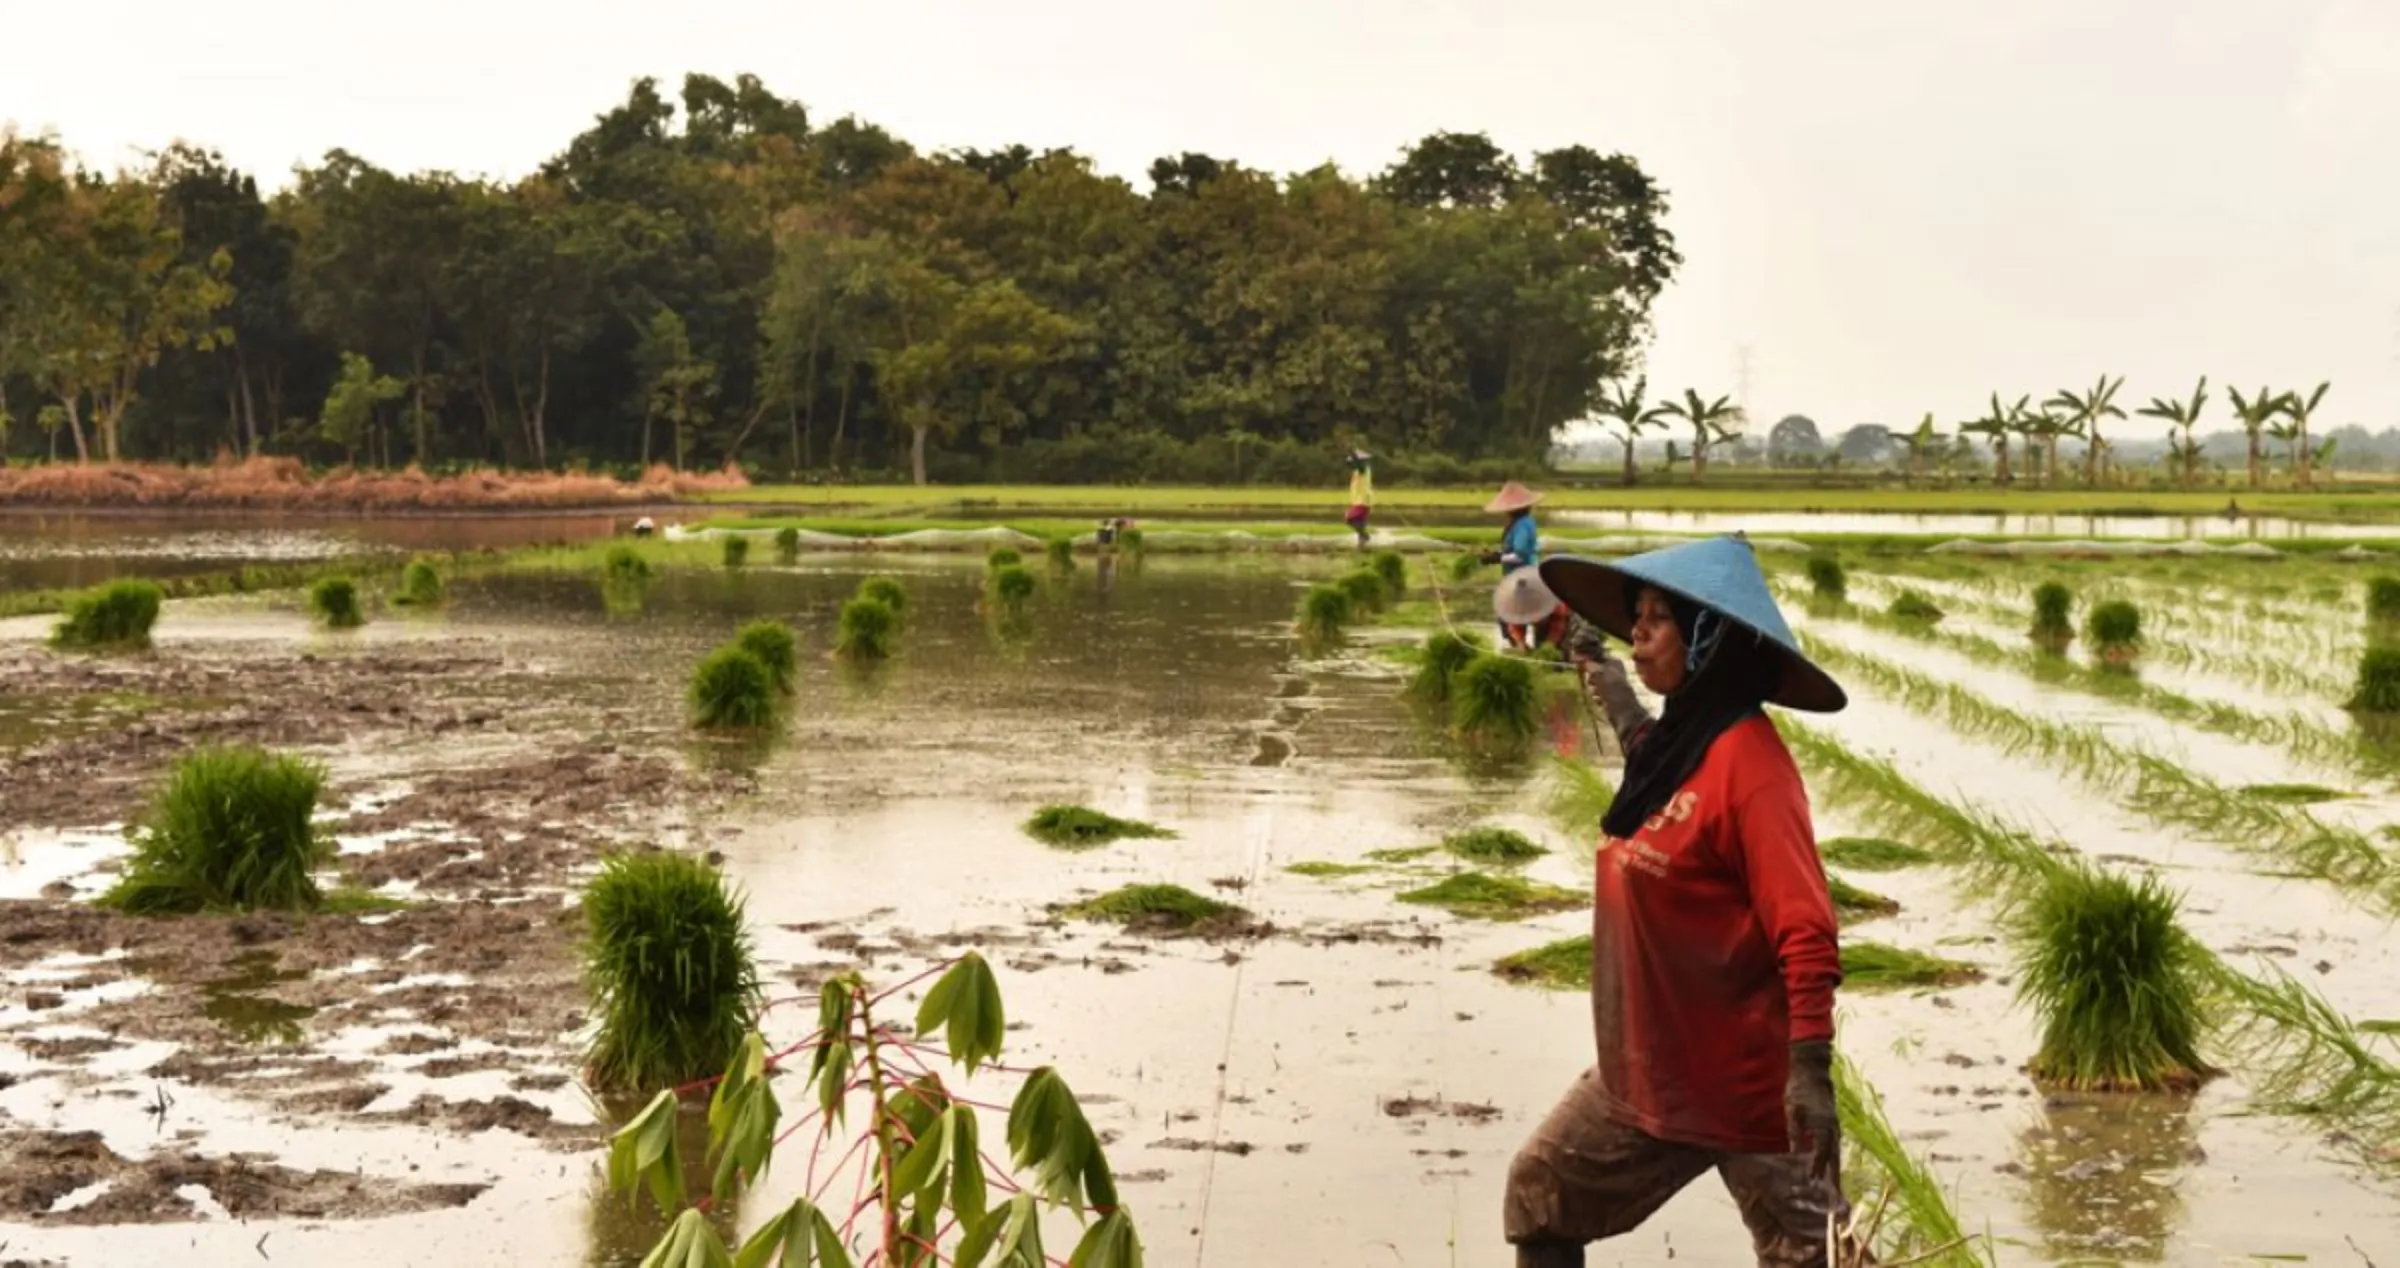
(2084, 412)
(2183, 414)
(2300, 409)
(1996, 426)
(351, 405)
(2254, 413)
(678, 385)
(1712, 422)
(1623, 405)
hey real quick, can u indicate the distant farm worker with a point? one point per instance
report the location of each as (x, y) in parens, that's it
(1362, 493)
(1715, 954)
(1520, 551)
(643, 527)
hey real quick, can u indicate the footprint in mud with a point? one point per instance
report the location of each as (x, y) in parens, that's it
(1273, 750)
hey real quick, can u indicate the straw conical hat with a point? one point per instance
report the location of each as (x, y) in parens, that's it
(1523, 599)
(1718, 573)
(1512, 497)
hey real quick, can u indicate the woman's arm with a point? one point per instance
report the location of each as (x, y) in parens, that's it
(1788, 896)
(1604, 680)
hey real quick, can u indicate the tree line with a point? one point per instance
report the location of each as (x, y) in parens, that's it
(716, 279)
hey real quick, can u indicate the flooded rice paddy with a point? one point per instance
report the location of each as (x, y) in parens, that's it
(1342, 1084)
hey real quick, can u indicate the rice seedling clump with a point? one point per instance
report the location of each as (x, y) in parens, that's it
(1062, 553)
(335, 601)
(1409, 854)
(1910, 605)
(1852, 903)
(1325, 870)
(1871, 854)
(1493, 699)
(1324, 612)
(625, 566)
(1081, 827)
(1827, 579)
(1002, 557)
(1393, 569)
(776, 647)
(2114, 629)
(420, 585)
(1365, 590)
(1494, 897)
(1446, 652)
(668, 963)
(787, 545)
(1012, 585)
(889, 592)
(2116, 984)
(2053, 614)
(2292, 794)
(2378, 681)
(232, 830)
(1564, 965)
(112, 616)
(1876, 966)
(1500, 846)
(1465, 565)
(2383, 600)
(737, 551)
(1166, 907)
(732, 689)
(867, 630)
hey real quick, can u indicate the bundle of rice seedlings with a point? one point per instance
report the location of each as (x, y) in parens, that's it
(2114, 630)
(889, 592)
(787, 545)
(624, 565)
(1389, 565)
(1908, 1219)
(1875, 966)
(1497, 846)
(1465, 565)
(1130, 541)
(1156, 907)
(1446, 652)
(2383, 600)
(1912, 605)
(732, 689)
(1827, 579)
(114, 616)
(737, 550)
(2116, 983)
(1493, 698)
(1324, 612)
(1581, 797)
(335, 601)
(1081, 827)
(668, 964)
(232, 830)
(1012, 585)
(776, 647)
(2378, 688)
(1062, 553)
(1871, 854)
(1495, 897)
(420, 585)
(1853, 904)
(1002, 557)
(2053, 615)
(1365, 590)
(867, 630)
(1564, 965)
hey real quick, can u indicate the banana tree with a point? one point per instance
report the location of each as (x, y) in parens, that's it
(1625, 407)
(2085, 410)
(1920, 442)
(2183, 414)
(1713, 422)
(1997, 426)
(2255, 412)
(2299, 408)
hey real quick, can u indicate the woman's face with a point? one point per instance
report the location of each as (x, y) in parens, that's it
(1657, 645)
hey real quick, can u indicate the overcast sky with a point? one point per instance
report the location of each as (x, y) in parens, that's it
(1895, 206)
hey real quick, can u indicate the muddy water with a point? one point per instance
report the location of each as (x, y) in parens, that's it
(39, 551)
(1345, 1091)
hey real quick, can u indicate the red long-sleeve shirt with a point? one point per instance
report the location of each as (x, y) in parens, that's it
(1714, 948)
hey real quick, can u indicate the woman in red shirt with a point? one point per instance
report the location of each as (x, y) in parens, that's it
(1714, 948)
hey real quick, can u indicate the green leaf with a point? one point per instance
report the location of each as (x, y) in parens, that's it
(1111, 1243)
(829, 1070)
(965, 1003)
(689, 1243)
(741, 1120)
(920, 1168)
(832, 1078)
(1048, 1134)
(967, 1189)
(643, 1151)
(799, 1237)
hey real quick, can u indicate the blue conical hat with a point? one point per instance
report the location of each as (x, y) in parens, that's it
(1718, 573)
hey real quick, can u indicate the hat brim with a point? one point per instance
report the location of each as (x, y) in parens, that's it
(1523, 598)
(1597, 592)
(1504, 504)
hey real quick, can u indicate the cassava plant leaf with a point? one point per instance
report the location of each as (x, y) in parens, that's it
(921, 1166)
(965, 1005)
(642, 1152)
(1010, 1235)
(1110, 1243)
(799, 1237)
(968, 1194)
(689, 1243)
(741, 1120)
(1048, 1134)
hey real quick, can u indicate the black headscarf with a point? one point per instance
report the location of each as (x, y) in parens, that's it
(1731, 672)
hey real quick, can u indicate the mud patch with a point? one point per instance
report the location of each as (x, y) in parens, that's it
(39, 1168)
(1422, 1107)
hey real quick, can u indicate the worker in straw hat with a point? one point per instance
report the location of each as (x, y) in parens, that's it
(1362, 493)
(1524, 624)
(1715, 954)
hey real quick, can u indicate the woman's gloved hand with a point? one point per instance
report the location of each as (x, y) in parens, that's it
(1809, 1114)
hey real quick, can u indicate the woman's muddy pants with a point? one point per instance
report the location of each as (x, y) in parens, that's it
(1584, 1177)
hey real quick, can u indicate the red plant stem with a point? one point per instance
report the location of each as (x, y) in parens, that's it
(888, 992)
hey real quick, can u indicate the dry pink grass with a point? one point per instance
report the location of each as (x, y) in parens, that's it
(283, 484)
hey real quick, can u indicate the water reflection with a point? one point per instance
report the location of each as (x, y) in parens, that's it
(2100, 1174)
(621, 1227)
